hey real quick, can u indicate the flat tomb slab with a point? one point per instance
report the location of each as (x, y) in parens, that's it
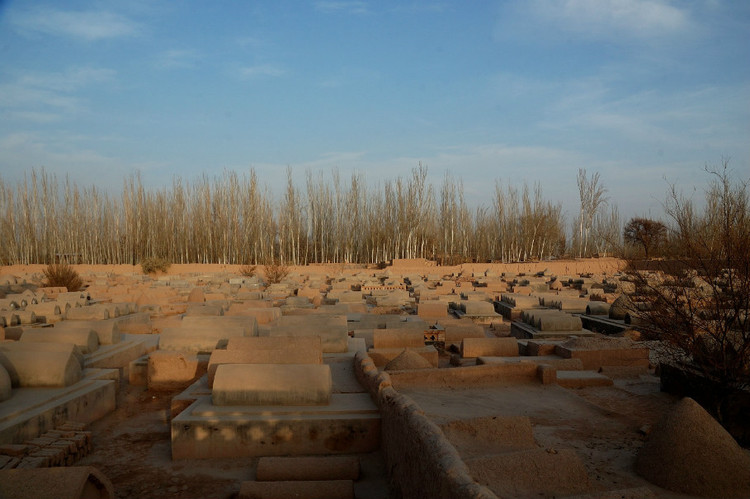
(118, 354)
(32, 411)
(272, 384)
(522, 330)
(332, 329)
(597, 358)
(582, 379)
(350, 424)
(603, 325)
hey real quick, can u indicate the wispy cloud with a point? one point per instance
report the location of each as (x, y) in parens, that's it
(79, 156)
(33, 116)
(262, 70)
(177, 59)
(343, 7)
(347, 76)
(597, 19)
(421, 7)
(87, 25)
(69, 80)
(39, 97)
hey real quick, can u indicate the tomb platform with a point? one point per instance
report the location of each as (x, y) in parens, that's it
(521, 330)
(29, 412)
(603, 324)
(508, 311)
(121, 354)
(582, 379)
(348, 424)
(607, 352)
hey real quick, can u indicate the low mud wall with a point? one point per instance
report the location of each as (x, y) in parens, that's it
(421, 461)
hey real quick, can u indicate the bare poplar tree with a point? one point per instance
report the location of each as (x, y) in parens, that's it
(592, 196)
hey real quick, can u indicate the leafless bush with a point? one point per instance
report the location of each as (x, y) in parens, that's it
(275, 272)
(153, 265)
(62, 275)
(697, 303)
(248, 270)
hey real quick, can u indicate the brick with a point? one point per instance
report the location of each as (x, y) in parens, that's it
(17, 450)
(33, 462)
(10, 464)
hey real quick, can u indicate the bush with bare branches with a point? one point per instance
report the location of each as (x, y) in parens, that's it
(698, 301)
(248, 270)
(275, 272)
(62, 275)
(154, 264)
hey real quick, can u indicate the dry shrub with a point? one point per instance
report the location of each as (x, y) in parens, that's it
(276, 272)
(597, 297)
(248, 270)
(697, 303)
(62, 275)
(154, 265)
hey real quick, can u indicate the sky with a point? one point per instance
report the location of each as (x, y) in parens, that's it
(644, 92)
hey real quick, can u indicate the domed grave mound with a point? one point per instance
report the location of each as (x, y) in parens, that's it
(408, 359)
(688, 451)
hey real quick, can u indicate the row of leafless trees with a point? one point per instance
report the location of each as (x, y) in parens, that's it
(234, 219)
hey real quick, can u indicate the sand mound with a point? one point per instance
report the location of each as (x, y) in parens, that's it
(531, 473)
(688, 451)
(408, 359)
(489, 435)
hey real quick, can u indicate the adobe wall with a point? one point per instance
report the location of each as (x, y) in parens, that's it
(421, 461)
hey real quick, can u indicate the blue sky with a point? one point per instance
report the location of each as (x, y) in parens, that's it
(637, 90)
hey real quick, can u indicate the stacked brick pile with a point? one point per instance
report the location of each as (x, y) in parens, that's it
(59, 447)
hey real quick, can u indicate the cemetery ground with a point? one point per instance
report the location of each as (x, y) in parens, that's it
(478, 380)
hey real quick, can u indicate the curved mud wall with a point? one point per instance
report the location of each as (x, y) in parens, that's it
(421, 461)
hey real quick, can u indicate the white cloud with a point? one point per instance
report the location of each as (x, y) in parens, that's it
(342, 7)
(614, 20)
(87, 25)
(261, 70)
